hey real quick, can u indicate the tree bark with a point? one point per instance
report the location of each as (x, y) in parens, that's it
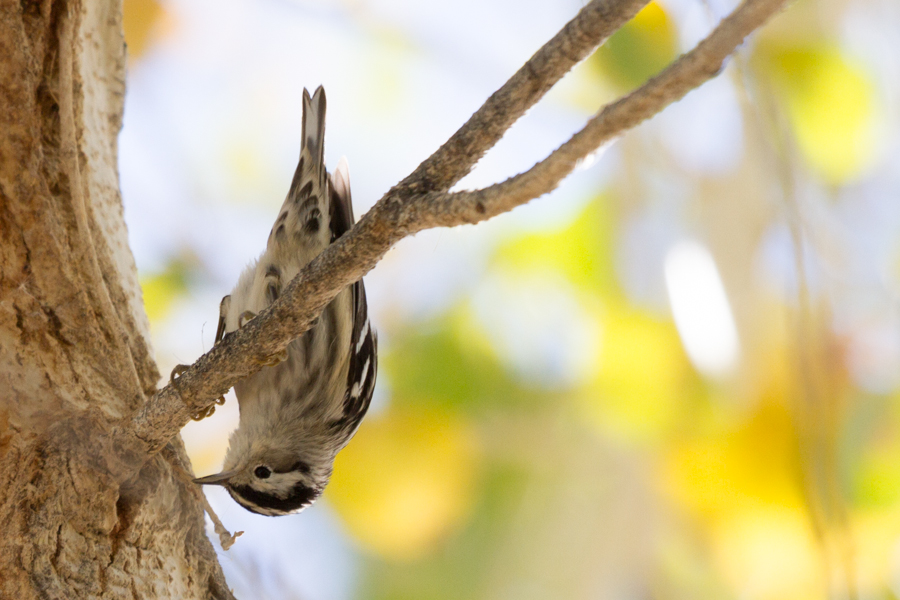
(74, 341)
(95, 494)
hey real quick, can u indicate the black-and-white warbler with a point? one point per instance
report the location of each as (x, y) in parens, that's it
(297, 414)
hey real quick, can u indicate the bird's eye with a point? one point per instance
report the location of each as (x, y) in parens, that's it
(262, 472)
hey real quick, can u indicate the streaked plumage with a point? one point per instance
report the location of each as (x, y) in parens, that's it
(296, 415)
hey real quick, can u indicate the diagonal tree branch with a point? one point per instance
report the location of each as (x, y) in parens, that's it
(690, 71)
(421, 202)
(574, 42)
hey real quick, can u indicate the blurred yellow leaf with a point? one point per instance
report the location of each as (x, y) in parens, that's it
(770, 554)
(750, 464)
(875, 550)
(877, 480)
(161, 289)
(875, 474)
(639, 50)
(138, 19)
(641, 377)
(406, 481)
(582, 251)
(830, 103)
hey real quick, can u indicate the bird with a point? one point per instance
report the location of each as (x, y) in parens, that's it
(297, 413)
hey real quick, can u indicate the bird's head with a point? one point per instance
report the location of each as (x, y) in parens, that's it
(272, 479)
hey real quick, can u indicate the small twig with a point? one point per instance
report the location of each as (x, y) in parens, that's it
(225, 537)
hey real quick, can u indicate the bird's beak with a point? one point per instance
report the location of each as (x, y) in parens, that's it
(218, 478)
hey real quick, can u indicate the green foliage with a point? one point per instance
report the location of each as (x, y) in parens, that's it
(638, 51)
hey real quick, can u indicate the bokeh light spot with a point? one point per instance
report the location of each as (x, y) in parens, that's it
(700, 308)
(830, 104)
(640, 50)
(406, 481)
(138, 19)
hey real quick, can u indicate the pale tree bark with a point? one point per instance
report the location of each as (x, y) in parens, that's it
(74, 341)
(95, 497)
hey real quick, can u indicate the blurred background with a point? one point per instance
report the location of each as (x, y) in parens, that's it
(674, 377)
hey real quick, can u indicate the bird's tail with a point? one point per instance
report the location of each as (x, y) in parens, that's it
(314, 124)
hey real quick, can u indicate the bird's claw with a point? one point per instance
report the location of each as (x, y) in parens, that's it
(247, 315)
(177, 371)
(204, 412)
(275, 359)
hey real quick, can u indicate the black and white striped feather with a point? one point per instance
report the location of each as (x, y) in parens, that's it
(363, 341)
(296, 415)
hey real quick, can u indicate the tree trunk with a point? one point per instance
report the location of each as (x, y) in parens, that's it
(75, 353)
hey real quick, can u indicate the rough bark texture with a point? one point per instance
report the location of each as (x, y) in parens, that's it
(74, 349)
(94, 493)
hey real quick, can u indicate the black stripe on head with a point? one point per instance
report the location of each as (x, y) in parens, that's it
(301, 467)
(298, 466)
(264, 503)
